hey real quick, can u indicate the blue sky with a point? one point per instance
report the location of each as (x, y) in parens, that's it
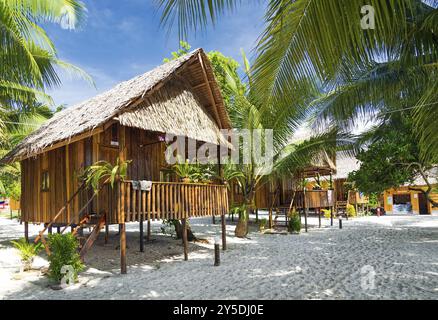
(122, 39)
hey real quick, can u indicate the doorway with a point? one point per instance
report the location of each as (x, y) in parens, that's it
(423, 204)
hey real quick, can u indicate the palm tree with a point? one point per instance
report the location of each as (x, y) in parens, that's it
(250, 111)
(27, 55)
(307, 43)
(17, 124)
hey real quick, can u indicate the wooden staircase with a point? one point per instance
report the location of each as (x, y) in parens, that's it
(94, 221)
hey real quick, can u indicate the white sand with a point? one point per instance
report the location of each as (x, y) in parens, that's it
(323, 264)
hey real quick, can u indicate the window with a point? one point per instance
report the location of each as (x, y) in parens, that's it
(45, 181)
(114, 135)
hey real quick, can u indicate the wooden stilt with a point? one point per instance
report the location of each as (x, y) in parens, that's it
(141, 235)
(50, 230)
(331, 216)
(58, 229)
(213, 219)
(257, 214)
(148, 233)
(305, 209)
(319, 217)
(106, 233)
(123, 269)
(305, 219)
(270, 218)
(26, 231)
(224, 233)
(184, 238)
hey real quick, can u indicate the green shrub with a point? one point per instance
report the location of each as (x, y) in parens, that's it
(64, 252)
(327, 213)
(294, 224)
(28, 251)
(262, 224)
(351, 211)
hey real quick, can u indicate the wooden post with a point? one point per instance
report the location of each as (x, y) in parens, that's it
(270, 218)
(106, 232)
(123, 269)
(319, 217)
(58, 229)
(184, 238)
(50, 231)
(224, 233)
(121, 203)
(331, 216)
(26, 231)
(257, 214)
(213, 219)
(141, 235)
(148, 233)
(217, 254)
(305, 209)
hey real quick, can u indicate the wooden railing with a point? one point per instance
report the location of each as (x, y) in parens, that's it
(173, 200)
(314, 199)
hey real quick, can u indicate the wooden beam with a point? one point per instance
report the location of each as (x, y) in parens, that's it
(210, 91)
(123, 268)
(65, 142)
(26, 231)
(67, 179)
(224, 233)
(305, 208)
(141, 235)
(184, 236)
(121, 213)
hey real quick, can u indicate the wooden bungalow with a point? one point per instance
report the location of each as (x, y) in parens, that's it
(344, 194)
(127, 122)
(411, 199)
(276, 194)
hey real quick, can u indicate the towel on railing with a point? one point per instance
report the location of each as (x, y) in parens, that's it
(135, 185)
(143, 185)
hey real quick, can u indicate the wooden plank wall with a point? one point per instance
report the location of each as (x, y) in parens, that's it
(146, 153)
(40, 206)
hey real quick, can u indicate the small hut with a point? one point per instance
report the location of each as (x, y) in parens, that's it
(127, 122)
(344, 195)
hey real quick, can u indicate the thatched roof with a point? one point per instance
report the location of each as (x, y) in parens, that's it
(197, 91)
(321, 164)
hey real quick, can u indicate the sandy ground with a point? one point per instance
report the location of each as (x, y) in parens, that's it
(370, 258)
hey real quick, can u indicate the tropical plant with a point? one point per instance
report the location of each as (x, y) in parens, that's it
(351, 210)
(392, 158)
(262, 224)
(294, 223)
(347, 70)
(327, 213)
(64, 252)
(103, 172)
(28, 251)
(17, 124)
(28, 56)
(252, 113)
(257, 116)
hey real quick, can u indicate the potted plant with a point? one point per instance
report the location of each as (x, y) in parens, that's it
(28, 251)
(106, 172)
(294, 224)
(183, 170)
